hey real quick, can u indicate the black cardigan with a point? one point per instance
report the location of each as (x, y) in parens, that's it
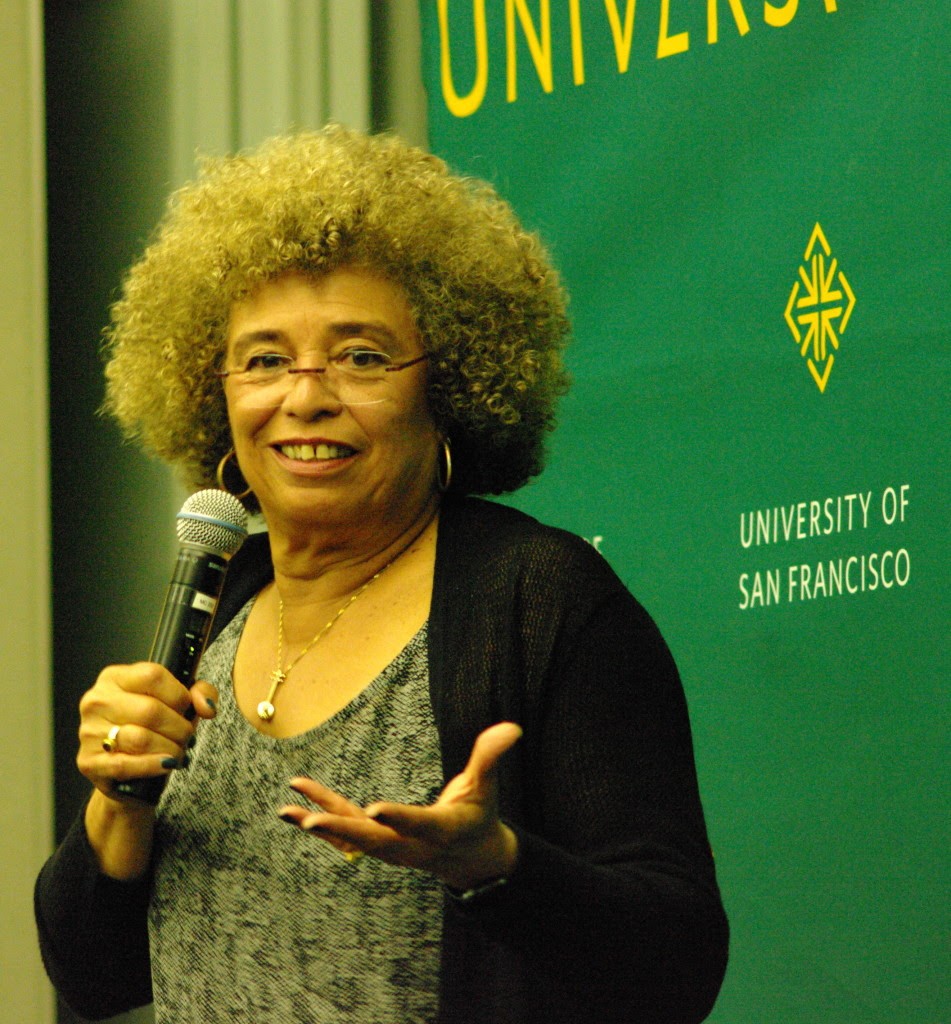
(613, 912)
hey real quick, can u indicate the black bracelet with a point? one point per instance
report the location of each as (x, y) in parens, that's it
(477, 890)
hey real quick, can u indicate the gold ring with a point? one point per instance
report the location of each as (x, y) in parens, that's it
(353, 855)
(111, 743)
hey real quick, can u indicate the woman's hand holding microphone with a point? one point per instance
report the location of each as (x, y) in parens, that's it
(136, 722)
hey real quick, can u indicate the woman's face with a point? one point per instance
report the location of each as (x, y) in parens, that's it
(311, 459)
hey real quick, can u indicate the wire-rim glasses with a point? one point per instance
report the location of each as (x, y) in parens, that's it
(354, 376)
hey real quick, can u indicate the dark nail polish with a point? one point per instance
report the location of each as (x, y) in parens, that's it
(169, 762)
(192, 742)
(211, 704)
(289, 818)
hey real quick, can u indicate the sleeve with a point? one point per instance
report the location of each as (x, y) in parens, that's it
(93, 931)
(614, 906)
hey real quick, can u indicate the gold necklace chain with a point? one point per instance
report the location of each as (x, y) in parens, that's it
(279, 675)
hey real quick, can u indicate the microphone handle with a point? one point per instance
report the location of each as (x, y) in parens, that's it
(182, 633)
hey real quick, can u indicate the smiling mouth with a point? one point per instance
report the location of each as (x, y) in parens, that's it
(316, 452)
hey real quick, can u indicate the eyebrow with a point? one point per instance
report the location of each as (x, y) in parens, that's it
(374, 330)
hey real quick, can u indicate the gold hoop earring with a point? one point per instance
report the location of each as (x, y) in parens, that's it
(220, 474)
(444, 466)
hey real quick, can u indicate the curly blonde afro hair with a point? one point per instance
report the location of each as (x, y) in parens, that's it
(488, 305)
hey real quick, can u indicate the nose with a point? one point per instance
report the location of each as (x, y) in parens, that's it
(309, 395)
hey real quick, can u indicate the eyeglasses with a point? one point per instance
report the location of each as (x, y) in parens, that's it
(354, 377)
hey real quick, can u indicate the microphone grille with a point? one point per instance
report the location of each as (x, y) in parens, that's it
(214, 519)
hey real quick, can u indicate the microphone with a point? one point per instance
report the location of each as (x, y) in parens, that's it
(211, 526)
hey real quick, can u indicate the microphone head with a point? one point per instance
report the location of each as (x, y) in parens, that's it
(213, 519)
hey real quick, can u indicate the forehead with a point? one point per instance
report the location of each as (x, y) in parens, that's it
(299, 307)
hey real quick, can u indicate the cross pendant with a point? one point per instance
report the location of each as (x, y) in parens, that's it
(266, 707)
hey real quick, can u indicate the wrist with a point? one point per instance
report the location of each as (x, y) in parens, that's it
(120, 834)
(491, 868)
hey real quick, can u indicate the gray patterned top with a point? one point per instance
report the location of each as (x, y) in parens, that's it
(254, 921)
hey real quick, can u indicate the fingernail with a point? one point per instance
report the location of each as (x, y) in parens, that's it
(285, 816)
(169, 762)
(185, 761)
(192, 742)
(211, 704)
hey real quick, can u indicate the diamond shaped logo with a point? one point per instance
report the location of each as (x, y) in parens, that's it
(819, 308)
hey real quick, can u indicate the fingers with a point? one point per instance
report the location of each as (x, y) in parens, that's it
(149, 679)
(341, 823)
(476, 782)
(459, 838)
(489, 747)
(204, 699)
(407, 820)
(133, 723)
(145, 694)
(331, 802)
(336, 811)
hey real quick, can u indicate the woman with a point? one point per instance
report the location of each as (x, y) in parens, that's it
(355, 340)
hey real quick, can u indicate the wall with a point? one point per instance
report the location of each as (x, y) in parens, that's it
(749, 206)
(25, 798)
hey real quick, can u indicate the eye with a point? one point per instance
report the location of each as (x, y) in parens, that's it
(265, 363)
(368, 360)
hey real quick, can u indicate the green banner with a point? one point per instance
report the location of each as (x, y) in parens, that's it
(749, 203)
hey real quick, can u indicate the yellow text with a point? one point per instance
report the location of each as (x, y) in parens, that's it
(529, 36)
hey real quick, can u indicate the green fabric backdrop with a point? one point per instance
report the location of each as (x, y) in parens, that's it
(749, 205)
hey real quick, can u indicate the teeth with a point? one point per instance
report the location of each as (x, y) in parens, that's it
(311, 452)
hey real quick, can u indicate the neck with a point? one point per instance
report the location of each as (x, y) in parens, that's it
(327, 567)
